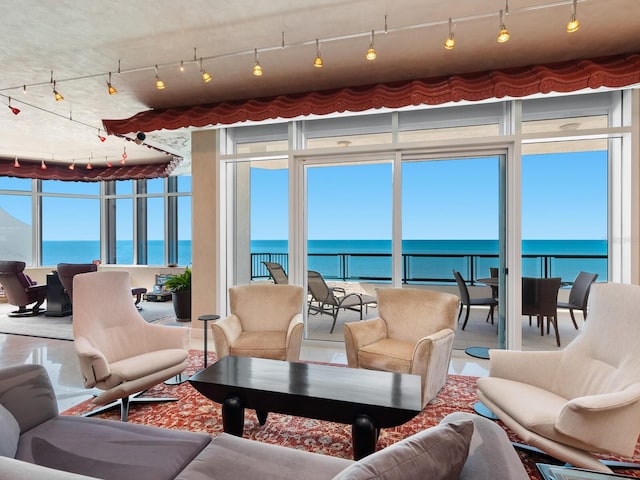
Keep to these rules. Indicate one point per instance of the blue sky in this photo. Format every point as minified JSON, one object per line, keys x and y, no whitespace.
{"x":564,"y":196}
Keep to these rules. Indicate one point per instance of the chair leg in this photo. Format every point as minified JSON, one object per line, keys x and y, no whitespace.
{"x":555,"y":326}
{"x":573,"y":318}
{"x":460,"y":311}
{"x":466,"y":317}
{"x":124,"y":404}
{"x":335,"y":317}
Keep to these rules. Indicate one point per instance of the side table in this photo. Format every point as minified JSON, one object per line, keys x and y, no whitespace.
{"x":206,"y":319}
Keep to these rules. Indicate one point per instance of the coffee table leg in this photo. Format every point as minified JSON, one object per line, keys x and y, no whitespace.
{"x":364,"y":434}
{"x":262,"y":416}
{"x":233,"y":416}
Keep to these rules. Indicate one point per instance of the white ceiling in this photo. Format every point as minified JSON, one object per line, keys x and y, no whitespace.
{"x":80,"y":41}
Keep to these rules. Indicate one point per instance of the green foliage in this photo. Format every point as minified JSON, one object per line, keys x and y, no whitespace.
{"x":179,"y":283}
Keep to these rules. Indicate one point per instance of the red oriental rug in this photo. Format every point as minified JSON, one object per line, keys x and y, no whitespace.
{"x":196,"y":413}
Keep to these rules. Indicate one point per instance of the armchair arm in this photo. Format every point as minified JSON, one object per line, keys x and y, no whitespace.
{"x":533,"y":368}
{"x":294,"y":338}
{"x":93,"y":364}
{"x":162,"y":337}
{"x":608,"y":421}
{"x":430,"y":360}
{"x":361,"y":334}
{"x":225,"y":332}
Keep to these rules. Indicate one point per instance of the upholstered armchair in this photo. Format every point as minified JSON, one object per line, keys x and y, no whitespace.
{"x":413,"y":334}
{"x":119,"y":352}
{"x":20,"y":290}
{"x":265,"y":321}
{"x":66,"y":272}
{"x":583,"y":399}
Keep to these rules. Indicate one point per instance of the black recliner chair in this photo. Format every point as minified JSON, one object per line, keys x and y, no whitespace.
{"x":20,"y":290}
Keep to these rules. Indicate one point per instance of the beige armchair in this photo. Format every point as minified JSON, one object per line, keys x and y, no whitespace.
{"x":265,"y":321}
{"x":583,"y":399}
{"x":414,"y":334}
{"x":119,"y":352}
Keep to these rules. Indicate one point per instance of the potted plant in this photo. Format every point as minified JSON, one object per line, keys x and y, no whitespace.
{"x":180,"y":287}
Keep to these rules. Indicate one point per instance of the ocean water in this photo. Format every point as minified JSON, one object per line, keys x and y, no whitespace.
{"x":371,"y":259}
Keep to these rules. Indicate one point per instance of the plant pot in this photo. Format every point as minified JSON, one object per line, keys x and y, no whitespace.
{"x":182,"y":305}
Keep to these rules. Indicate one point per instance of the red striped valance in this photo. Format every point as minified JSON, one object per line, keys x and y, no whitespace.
{"x":614,"y":72}
{"x":80,"y":173}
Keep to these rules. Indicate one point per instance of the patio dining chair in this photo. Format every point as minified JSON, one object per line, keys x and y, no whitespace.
{"x":579,"y":295}
{"x":467,"y":301}
{"x":325,"y":301}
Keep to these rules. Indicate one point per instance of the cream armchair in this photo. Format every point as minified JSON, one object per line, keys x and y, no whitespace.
{"x":119,"y":352}
{"x":414,"y":334}
{"x":583,"y":399}
{"x":265,"y":321}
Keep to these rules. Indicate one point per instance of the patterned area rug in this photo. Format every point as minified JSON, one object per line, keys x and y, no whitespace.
{"x":196,"y":413}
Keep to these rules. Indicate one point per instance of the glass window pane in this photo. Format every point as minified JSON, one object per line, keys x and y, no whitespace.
{"x":565,"y":124}
{"x":450,"y":133}
{"x":564,"y":229}
{"x":184,"y":183}
{"x":124,"y":187}
{"x":13,"y":183}
{"x":124,"y":231}
{"x":155,"y":185}
{"x":79,"y":188}
{"x":268,"y":234}
{"x":70,"y":230}
{"x":15,"y":228}
{"x":184,"y":230}
{"x":155,"y":231}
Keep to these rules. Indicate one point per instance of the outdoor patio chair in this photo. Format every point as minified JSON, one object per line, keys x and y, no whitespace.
{"x":325,"y":301}
{"x":468,"y":302}
{"x":21,"y":290}
{"x":579,"y":295}
{"x":277,"y":273}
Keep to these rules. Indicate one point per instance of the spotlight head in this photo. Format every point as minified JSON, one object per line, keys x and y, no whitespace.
{"x":14,"y":110}
{"x":140,"y":137}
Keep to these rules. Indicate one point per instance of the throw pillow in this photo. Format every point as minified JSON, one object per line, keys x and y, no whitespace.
{"x":9,"y":433}
{"x":438,"y":453}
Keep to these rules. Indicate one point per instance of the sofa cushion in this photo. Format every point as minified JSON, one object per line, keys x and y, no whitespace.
{"x":9,"y":433}
{"x":438,"y":453}
{"x":491,"y":454}
{"x":110,"y":450}
{"x":228,"y":456}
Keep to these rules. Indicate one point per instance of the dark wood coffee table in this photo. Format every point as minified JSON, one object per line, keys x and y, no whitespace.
{"x":366,"y":399}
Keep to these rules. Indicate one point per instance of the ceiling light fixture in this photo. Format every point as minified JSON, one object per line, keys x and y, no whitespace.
{"x":16,"y":163}
{"x":89,"y":167}
{"x":257,"y":68}
{"x":371,"y":53}
{"x":450,"y":43}
{"x":73,"y":164}
{"x":124,"y":156}
{"x":109,"y":164}
{"x":43,"y":166}
{"x":110,"y":88}
{"x":206,"y":76}
{"x":181,"y":66}
{"x":14,"y":110}
{"x":56,"y":94}
{"x":159,"y":83}
{"x":317,"y":62}
{"x":504,"y":35}
{"x":574,"y":24}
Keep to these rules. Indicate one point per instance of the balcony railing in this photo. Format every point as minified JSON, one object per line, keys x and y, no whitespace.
{"x":426,"y":268}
